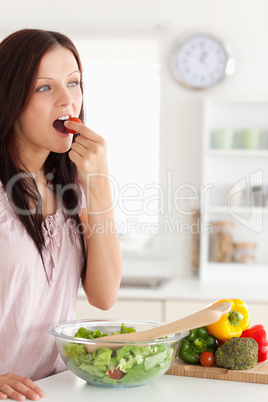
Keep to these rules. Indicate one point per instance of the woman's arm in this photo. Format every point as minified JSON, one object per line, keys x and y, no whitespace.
{"x":104,"y":257}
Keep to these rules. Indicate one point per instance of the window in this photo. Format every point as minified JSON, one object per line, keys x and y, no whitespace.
{"x":122,"y":104}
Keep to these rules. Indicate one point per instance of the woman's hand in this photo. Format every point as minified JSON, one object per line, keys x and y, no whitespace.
{"x":89,"y":154}
{"x":19,"y":388}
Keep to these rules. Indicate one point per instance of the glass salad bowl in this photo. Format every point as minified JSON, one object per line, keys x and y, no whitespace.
{"x":117,"y":364}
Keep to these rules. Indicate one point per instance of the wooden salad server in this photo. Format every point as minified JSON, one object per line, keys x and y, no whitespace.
{"x":202,"y":318}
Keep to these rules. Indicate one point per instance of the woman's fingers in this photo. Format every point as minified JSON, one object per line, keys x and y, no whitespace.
{"x":89,"y":153}
{"x":85,"y":131}
{"x":33,"y":387}
{"x":19,"y":388}
{"x":88,"y":149}
{"x":11,"y":392}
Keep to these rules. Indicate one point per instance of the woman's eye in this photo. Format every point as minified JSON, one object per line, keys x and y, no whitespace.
{"x":43,"y":88}
{"x":73,"y":83}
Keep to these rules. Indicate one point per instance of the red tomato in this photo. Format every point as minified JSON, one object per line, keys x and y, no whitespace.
{"x":76,"y":120}
{"x":207,"y":359}
{"x":116,"y":374}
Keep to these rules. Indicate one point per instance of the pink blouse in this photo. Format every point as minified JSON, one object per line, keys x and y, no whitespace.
{"x":31,"y":300}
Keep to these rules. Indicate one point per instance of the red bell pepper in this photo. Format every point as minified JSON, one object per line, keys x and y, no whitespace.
{"x":258,"y":333}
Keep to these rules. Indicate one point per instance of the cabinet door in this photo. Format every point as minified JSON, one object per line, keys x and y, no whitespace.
{"x":131,"y":309}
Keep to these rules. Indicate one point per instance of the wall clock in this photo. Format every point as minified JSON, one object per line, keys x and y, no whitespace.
{"x":200,"y":61}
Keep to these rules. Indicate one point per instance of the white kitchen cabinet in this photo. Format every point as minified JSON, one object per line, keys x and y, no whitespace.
{"x":131,"y":309}
{"x":229,"y":172}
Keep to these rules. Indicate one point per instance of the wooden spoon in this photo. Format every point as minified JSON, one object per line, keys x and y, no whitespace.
{"x":202,"y":318}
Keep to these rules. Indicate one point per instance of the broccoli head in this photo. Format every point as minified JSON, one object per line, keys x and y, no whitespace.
{"x":237,"y":354}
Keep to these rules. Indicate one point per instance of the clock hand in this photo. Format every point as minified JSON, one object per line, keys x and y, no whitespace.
{"x":203,"y":57}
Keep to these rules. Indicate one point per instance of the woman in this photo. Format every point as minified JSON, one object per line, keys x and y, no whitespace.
{"x":56,"y":216}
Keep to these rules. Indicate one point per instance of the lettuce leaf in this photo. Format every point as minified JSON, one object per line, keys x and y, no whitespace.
{"x":126,"y":330}
{"x":87,"y":334}
{"x":102,"y":356}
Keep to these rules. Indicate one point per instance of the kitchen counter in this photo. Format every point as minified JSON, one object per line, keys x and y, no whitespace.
{"x":190,"y":288}
{"x":66,"y":387}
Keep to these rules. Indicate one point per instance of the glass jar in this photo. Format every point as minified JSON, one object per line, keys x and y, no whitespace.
{"x":222,"y":248}
{"x":245,"y":253}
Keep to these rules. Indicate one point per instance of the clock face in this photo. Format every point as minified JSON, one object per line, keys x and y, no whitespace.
{"x":200,"y":61}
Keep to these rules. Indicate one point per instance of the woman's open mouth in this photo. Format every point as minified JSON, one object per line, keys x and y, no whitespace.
{"x":59,"y":124}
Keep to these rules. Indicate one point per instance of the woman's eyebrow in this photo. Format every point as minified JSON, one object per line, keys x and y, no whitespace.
{"x":44,"y":78}
{"x":48,"y":78}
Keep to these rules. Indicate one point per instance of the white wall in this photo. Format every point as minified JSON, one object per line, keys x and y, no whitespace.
{"x":242,"y":23}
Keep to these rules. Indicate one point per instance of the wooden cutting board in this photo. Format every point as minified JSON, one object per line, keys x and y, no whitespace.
{"x":258,"y":374}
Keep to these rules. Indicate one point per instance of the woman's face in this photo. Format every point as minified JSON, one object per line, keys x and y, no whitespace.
{"x":57,"y":93}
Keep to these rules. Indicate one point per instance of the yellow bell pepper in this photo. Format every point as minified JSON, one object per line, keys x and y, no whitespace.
{"x":233,"y":323}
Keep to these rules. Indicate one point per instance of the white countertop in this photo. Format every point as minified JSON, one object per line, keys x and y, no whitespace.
{"x":66,"y":387}
{"x":190,"y":288}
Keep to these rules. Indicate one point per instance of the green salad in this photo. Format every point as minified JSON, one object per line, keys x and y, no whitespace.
{"x":129,"y":365}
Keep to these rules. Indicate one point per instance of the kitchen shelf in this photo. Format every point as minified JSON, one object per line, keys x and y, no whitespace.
{"x":221,"y":170}
{"x":240,"y":153}
{"x":224,"y":210}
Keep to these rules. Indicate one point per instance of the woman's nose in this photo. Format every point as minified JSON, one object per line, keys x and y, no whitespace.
{"x":64,"y":97}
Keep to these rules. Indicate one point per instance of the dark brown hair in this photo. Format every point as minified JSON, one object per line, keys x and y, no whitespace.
{"x":20,"y":57}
